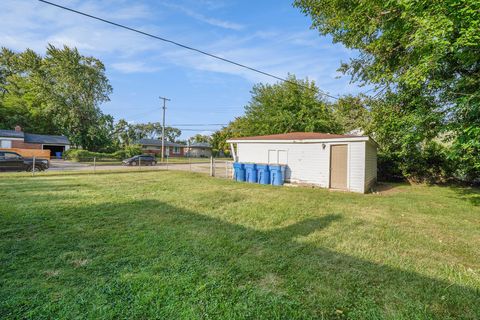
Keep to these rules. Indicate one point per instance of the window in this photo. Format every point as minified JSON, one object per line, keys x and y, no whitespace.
{"x":11,"y":155}
{"x":7,"y":144}
{"x":176,"y":149}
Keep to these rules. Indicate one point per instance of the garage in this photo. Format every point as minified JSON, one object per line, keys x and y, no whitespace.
{"x":343,"y":162}
{"x":56,"y":144}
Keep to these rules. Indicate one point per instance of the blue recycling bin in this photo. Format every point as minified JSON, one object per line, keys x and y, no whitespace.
{"x":276,"y":175}
{"x":251,"y":172}
{"x":239,"y":170}
{"x":263,"y":174}
{"x":58,"y":155}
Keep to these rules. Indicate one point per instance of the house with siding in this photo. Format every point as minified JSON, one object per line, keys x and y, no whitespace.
{"x":199,"y":150}
{"x":18,"y":140}
{"x":154,"y":146}
{"x":345,"y":162}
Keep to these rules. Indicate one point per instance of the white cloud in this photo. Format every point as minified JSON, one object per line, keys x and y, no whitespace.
{"x":209,"y":20}
{"x":133,"y":67}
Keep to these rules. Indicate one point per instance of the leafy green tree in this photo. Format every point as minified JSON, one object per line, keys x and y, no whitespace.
{"x":60,"y":93}
{"x":296,"y":105}
{"x":351,"y":113}
{"x":283,"y":107}
{"x":200,"y":138}
{"x":412,"y":48}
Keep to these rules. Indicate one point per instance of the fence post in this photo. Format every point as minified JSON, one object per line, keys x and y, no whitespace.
{"x":212,"y":167}
{"x":94,"y":164}
{"x":33,"y":167}
{"x":167,"y":161}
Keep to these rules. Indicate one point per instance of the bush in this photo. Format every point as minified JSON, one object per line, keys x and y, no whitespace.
{"x":428,"y":163}
{"x":85,"y":155}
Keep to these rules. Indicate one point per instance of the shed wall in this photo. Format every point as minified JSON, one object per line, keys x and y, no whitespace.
{"x":307,"y":162}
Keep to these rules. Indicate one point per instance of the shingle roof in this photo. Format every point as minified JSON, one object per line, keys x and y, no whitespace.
{"x":11,"y":134}
{"x":200,"y":145}
{"x":297,"y":136}
{"x":46,"y":139}
{"x":158,"y":143}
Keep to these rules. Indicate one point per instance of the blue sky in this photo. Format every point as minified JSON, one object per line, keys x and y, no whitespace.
{"x":269,"y":35}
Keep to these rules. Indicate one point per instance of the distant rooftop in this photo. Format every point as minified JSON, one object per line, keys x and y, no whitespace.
{"x":200,"y":145}
{"x":45,"y":139}
{"x":11,"y":134}
{"x":158,"y":143}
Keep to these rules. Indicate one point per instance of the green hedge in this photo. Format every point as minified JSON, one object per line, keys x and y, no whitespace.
{"x":83,"y":155}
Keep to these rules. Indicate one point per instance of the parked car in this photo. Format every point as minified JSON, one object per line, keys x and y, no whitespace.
{"x":12,"y":161}
{"x":141,"y":160}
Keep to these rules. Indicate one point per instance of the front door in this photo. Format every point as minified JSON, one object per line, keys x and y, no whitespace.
{"x":338,"y":166}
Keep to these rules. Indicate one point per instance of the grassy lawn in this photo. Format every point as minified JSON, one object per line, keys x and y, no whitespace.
{"x":182,"y":245}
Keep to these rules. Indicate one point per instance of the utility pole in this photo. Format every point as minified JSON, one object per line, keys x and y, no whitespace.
{"x":163,"y":126}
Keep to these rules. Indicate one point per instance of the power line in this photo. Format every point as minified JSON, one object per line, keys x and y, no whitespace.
{"x":185,"y":47}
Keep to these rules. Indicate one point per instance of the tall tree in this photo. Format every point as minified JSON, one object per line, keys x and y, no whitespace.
{"x":427,"y":48}
{"x":60,"y":93}
{"x":283,"y":107}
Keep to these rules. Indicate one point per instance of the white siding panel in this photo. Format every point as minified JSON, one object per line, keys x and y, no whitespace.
{"x":370,"y":165}
{"x":310,"y":162}
{"x":306,"y":162}
{"x":356,"y":166}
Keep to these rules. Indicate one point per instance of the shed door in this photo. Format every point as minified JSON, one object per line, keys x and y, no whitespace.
{"x":338,"y":166}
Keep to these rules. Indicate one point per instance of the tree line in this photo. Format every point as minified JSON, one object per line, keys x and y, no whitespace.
{"x":60,"y":94}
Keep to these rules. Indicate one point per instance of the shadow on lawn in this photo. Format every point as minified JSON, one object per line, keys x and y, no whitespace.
{"x":470,"y":194}
{"x":208,"y":264}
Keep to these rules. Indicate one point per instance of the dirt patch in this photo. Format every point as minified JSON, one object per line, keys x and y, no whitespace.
{"x":384,"y":188}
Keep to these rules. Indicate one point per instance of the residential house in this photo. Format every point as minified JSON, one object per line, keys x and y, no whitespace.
{"x":154,"y":146}
{"x":17,"y":139}
{"x":199,"y":150}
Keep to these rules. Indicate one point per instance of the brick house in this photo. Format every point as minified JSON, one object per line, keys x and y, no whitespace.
{"x":154,"y":146}
{"x":21,"y":140}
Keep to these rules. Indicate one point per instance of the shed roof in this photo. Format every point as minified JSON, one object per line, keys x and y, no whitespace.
{"x":11,"y":134}
{"x":297,"y":136}
{"x":46,"y":139}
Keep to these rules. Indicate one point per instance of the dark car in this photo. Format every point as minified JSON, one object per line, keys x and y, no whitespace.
{"x":142,"y":160}
{"x":12,"y":161}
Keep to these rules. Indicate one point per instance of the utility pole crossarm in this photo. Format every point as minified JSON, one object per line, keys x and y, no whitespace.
{"x":163,"y":125}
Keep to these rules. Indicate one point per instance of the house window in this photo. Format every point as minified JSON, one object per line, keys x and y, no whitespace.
{"x":6,"y":144}
{"x":176,"y":149}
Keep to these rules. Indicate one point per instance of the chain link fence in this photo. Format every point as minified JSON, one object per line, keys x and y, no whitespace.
{"x":222,"y":168}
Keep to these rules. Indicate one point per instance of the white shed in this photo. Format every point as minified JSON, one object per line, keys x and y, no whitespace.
{"x":334,"y":161}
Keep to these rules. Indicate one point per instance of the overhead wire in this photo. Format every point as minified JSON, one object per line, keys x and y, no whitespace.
{"x":186,"y":47}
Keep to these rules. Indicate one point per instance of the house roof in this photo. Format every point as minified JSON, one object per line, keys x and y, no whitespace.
{"x":158,"y":143}
{"x":46,"y":139}
{"x":11,"y":134}
{"x":200,"y":145}
{"x":297,"y":136}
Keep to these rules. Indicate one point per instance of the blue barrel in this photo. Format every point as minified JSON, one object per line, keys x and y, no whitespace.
{"x":263,"y":175}
{"x":276,"y":175}
{"x":59,"y":155}
{"x":251,"y":172}
{"x":239,"y":171}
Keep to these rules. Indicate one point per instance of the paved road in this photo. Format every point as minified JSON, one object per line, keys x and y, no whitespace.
{"x":222,"y":168}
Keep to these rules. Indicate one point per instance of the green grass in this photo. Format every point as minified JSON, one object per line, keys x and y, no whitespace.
{"x":181,"y":245}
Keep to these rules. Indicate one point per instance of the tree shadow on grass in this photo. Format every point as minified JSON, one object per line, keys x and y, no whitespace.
{"x":148,"y":259}
{"x":469,"y":194}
